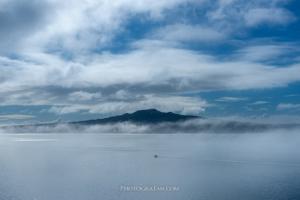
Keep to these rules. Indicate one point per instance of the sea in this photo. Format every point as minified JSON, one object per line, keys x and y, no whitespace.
{"x":110,"y":166}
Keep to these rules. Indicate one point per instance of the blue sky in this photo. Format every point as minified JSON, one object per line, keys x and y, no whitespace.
{"x":74,"y":60}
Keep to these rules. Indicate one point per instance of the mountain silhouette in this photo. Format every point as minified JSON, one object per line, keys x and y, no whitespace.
{"x":149,"y":116}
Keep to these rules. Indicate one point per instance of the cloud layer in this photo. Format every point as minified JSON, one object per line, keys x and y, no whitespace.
{"x":109,"y":57}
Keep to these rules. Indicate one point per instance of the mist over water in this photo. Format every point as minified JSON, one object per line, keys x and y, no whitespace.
{"x":188,"y":126}
{"x":199,"y":166}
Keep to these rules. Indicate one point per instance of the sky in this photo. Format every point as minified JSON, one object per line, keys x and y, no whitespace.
{"x":82,"y":59}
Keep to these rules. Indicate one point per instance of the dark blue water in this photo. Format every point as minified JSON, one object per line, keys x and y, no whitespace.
{"x":196,"y":166}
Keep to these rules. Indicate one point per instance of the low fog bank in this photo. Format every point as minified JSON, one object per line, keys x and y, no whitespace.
{"x":191,"y":126}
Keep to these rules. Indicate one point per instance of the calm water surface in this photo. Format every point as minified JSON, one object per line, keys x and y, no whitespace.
{"x":197,"y":166}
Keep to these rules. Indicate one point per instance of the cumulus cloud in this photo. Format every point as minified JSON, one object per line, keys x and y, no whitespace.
{"x":79,"y":26}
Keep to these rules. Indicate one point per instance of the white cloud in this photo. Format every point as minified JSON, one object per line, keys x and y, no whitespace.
{"x":123,"y":95}
{"x":78,"y":26}
{"x":189,"y":33}
{"x":234,"y":15}
{"x":179,"y":104}
{"x":259,"y":16}
{"x":68,"y":109}
{"x":288,"y":106}
{"x":16,"y":117}
{"x":84,"y":96}
{"x":149,"y":68}
{"x":39,"y":72}
{"x":259,"y":103}
{"x":232,"y":99}
{"x":264,"y":52}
